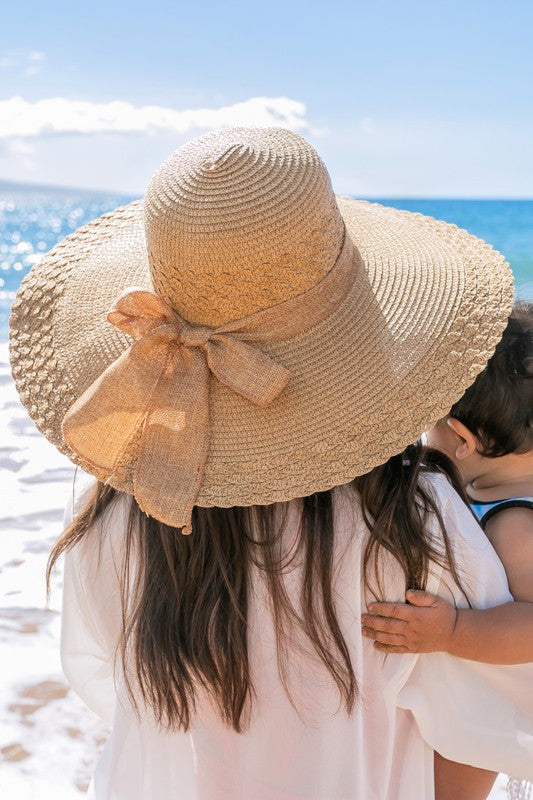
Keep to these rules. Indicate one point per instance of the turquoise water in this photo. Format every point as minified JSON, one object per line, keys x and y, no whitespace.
{"x":33,"y":219}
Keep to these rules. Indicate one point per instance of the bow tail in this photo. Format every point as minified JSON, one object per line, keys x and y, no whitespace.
{"x":175,"y":441}
{"x":100,"y":425}
{"x":247,"y":370}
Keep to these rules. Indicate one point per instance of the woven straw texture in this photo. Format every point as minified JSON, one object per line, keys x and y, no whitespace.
{"x":242,"y":220}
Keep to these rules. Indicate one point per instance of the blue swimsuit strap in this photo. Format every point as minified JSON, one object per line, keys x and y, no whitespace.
{"x":485,"y":511}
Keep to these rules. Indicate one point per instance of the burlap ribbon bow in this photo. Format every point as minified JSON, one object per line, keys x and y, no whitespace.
{"x":160,"y":386}
{"x":158,"y":389}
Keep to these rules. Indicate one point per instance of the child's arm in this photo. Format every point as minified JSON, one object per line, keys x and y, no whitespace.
{"x":499,"y":635}
{"x":511,"y":534}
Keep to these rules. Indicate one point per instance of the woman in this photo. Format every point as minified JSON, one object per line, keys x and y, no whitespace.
{"x":284,"y":342}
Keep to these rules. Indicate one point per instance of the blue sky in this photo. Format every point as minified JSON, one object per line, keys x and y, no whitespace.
{"x":400,"y":98}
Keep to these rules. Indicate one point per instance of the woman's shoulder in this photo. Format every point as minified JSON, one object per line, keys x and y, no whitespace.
{"x":459,"y":521}
{"x":480,"y":568}
{"x":447,"y":501}
{"x":446,"y":498}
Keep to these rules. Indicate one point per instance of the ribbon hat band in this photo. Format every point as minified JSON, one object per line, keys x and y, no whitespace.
{"x":159,"y":387}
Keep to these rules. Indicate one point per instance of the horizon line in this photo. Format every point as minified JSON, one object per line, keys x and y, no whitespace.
{"x":5,"y":182}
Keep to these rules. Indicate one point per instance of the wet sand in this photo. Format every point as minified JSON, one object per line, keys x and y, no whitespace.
{"x":49,"y":740}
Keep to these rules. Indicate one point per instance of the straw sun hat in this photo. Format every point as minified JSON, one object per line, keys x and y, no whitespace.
{"x":280,"y":341}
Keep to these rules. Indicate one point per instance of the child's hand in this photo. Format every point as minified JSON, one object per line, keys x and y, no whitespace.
{"x":424,"y":626}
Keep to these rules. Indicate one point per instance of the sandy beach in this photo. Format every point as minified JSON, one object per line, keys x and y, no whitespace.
{"x":49,"y":741}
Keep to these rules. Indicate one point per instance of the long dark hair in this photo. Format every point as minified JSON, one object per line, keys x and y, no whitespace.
{"x":186,"y":624}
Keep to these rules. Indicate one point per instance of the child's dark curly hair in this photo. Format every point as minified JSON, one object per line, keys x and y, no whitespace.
{"x":498,"y":407}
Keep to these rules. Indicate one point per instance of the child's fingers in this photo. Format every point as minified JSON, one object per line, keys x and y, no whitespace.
{"x":418,"y":597}
{"x":394,"y":610}
{"x":390,"y":648}
{"x":385,"y":624}
{"x":384,"y":638}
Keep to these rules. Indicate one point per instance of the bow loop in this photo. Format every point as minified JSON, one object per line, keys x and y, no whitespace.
{"x":138,"y":311}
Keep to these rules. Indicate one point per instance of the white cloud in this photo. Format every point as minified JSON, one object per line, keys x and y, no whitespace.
{"x":7,"y":61}
{"x":28,"y":164}
{"x":367,"y":126}
{"x":366,"y":155}
{"x":59,"y":115}
{"x":29,"y":63}
{"x":20,"y":147}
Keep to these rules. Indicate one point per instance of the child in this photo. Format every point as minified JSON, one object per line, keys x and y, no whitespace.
{"x":489,"y":437}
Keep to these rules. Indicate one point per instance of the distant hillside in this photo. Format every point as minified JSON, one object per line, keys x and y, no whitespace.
{"x":16,"y":187}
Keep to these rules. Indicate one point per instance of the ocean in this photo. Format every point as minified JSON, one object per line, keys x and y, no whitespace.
{"x":33,"y":219}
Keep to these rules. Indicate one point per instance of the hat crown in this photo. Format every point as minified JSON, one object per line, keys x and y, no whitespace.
{"x":240,"y":220}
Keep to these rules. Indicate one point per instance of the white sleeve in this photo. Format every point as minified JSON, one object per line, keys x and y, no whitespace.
{"x":474,"y":713}
{"x":91,"y":610}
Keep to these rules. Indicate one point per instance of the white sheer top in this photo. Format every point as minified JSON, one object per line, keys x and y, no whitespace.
{"x":408,"y":706}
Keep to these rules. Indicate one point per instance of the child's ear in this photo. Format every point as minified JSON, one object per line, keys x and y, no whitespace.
{"x":466,"y":441}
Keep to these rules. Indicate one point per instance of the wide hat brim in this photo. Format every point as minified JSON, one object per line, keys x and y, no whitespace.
{"x":423,"y":317}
